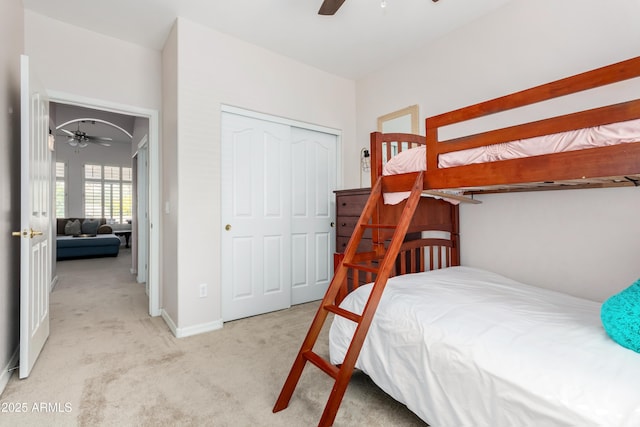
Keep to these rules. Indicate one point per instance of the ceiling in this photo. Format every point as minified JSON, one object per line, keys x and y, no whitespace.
{"x":358,"y":39}
{"x":67,"y":116}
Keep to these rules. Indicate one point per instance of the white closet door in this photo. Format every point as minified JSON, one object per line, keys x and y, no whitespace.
{"x":256,"y":248}
{"x":313,"y":178}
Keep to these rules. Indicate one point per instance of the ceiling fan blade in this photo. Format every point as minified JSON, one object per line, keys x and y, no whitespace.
{"x":68,"y":132}
{"x":330,"y":7}
{"x":99,"y":138}
{"x":95,"y":140}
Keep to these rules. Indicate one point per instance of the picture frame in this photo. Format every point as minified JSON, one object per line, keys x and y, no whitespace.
{"x":400,"y":121}
{"x":403,"y":121}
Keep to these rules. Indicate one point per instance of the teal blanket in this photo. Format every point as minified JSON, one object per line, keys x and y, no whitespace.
{"x":620,"y":316}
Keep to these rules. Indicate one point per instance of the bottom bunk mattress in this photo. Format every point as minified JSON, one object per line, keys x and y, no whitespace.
{"x":466,"y":347}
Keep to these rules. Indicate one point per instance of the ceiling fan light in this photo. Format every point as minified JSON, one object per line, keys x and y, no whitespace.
{"x":73,"y":142}
{"x":82,"y":144}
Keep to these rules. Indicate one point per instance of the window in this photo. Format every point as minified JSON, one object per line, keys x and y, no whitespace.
{"x":108,"y":193}
{"x":61,"y":187}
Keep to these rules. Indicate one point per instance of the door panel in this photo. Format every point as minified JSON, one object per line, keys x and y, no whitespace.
{"x":35,"y":219}
{"x":313,"y":212}
{"x":256,"y":255}
{"x":273,"y":262}
{"x":324,"y":268}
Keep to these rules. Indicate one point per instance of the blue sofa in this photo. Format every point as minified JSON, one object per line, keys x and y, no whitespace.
{"x":96,"y":239}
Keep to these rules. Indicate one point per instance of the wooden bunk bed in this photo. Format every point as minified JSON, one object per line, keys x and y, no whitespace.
{"x":612,"y":164}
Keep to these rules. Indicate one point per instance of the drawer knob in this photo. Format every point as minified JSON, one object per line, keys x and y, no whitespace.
{"x":344,"y":224}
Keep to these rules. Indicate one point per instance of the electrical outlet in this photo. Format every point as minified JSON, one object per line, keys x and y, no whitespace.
{"x":203,"y":290}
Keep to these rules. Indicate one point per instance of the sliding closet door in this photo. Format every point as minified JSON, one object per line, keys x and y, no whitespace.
{"x":277,"y":214}
{"x":313,"y":178}
{"x":256,"y":248}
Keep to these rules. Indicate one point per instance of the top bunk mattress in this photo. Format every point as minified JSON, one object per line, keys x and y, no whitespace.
{"x":414,"y":159}
{"x":466,"y":347}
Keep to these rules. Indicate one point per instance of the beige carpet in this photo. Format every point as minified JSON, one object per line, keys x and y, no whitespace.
{"x":107,"y":363}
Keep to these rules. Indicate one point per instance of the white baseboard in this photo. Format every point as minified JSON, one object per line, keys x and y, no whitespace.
{"x":190,"y":330}
{"x":6,"y":373}
{"x":169,"y":321}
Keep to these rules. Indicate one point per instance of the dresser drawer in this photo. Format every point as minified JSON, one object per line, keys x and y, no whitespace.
{"x":351,"y":205}
{"x":341,"y":244}
{"x":347,"y":224}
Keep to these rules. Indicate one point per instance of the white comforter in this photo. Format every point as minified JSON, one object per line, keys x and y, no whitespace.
{"x":466,"y":347}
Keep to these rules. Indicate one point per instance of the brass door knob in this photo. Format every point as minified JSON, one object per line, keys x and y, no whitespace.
{"x":227,"y":227}
{"x":333,"y":224}
{"x":31,"y":233}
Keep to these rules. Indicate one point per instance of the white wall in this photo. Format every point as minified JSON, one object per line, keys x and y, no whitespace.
{"x":170,"y":177}
{"x":518,"y":46}
{"x":583,"y":242}
{"x":215,"y":69}
{"x":11,"y":34}
{"x":110,"y":69}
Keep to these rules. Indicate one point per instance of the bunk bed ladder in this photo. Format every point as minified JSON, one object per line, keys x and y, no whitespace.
{"x":352,"y":259}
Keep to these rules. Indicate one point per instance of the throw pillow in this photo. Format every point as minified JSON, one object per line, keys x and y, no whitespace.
{"x":72,"y":227}
{"x":620,"y":316}
{"x":105,"y":229}
{"x":90,"y":226}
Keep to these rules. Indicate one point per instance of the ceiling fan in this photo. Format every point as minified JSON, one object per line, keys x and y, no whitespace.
{"x":80,"y":139}
{"x":330,"y":7}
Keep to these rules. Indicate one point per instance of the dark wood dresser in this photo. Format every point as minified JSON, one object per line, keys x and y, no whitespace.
{"x":349,"y":205}
{"x":430,"y":214}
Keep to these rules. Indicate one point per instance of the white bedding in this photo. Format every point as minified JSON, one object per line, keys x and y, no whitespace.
{"x":414,"y":159}
{"x":466,"y":347}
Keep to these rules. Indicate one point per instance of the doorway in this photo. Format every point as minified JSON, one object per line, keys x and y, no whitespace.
{"x":151,"y":252}
{"x":278,"y":212}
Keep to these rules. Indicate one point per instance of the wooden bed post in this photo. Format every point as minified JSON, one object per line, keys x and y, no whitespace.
{"x":375,"y":146}
{"x":455,"y":235}
{"x":376,"y":172}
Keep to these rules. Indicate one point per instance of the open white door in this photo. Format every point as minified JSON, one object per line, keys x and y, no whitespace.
{"x":35,"y":220}
{"x":143,"y":216}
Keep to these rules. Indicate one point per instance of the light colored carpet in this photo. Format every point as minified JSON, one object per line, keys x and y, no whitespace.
{"x":107,"y":363}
